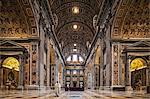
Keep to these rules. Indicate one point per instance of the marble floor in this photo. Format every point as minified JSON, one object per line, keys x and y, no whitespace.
{"x":87,"y":94}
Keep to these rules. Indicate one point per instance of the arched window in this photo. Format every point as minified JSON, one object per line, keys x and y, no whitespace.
{"x":80,"y":59}
{"x":11,"y":63}
{"x":69,"y":58}
{"x":137,"y":63}
{"x":74,"y":58}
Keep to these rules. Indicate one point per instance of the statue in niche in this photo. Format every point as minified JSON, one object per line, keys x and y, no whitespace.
{"x":11,"y":76}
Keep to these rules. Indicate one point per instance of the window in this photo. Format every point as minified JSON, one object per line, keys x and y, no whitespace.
{"x":80,"y":59}
{"x":69,"y":58}
{"x":74,"y":72}
{"x":75,"y":58}
{"x":74,"y":50}
{"x":11,"y":63}
{"x":75,"y":10}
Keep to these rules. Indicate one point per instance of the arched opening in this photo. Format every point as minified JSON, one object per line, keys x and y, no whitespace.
{"x":11,"y":63}
{"x":75,"y":59}
{"x":137,"y":63}
{"x":74,"y":79}
{"x":138,"y":73}
{"x":11,"y":69}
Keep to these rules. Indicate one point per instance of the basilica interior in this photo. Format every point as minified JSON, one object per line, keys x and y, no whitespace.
{"x":90,"y":47}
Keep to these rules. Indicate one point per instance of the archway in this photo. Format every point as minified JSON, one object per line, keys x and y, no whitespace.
{"x":138,"y":73}
{"x":11,"y":68}
{"x":13,"y":59}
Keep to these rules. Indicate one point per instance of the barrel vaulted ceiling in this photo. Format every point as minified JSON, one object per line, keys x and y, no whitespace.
{"x":75,"y":24}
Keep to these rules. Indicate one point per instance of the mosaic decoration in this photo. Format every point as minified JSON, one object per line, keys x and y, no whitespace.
{"x":11,"y":63}
{"x":137,"y":63}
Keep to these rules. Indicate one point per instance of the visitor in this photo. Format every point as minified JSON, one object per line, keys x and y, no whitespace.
{"x":68,"y":87}
{"x":57,"y":88}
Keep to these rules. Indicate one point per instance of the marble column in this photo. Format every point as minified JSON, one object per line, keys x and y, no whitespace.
{"x":41,"y":59}
{"x":148,"y":71}
{"x":96,"y":66}
{"x":53,"y":75}
{"x":30,"y":66}
{"x":147,"y":76}
{"x":120,"y":66}
{"x":101,"y":66}
{"x":21,"y":72}
{"x":1,"y":74}
{"x":48,"y":63}
{"x":71,"y":78}
{"x":37,"y":65}
{"x":123,"y":62}
{"x":56,"y":70}
{"x":128,"y":73}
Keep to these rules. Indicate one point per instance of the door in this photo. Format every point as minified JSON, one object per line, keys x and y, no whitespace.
{"x":74,"y":84}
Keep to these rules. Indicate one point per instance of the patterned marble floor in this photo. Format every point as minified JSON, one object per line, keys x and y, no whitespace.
{"x":88,"y":94}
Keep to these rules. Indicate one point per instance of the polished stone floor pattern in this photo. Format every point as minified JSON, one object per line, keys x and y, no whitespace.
{"x":88,"y":94}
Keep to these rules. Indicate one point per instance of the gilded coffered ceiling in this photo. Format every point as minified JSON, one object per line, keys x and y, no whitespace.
{"x":16,"y":19}
{"x":132,"y":20}
{"x":75,"y":23}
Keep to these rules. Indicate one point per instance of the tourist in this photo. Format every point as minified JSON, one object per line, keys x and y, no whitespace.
{"x":57,"y":88}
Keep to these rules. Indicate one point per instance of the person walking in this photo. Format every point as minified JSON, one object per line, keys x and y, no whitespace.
{"x":57,"y":88}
